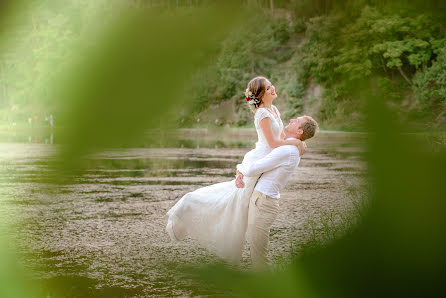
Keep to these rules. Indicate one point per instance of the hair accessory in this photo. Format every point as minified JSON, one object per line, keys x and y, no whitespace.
{"x":252,"y":99}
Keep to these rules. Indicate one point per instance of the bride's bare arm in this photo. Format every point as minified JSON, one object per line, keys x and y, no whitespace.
{"x":265,"y":125}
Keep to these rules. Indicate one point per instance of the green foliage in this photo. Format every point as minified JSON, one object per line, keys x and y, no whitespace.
{"x":248,"y":52}
{"x":392,"y":89}
{"x":320,"y":48}
{"x":299,"y":25}
{"x":282,"y":30}
{"x":407,"y":39}
{"x":41,"y":42}
{"x":343,"y":49}
{"x":200,"y":91}
{"x":430,"y":84}
{"x":294,"y":91}
{"x":345,"y":42}
{"x":45,"y":38}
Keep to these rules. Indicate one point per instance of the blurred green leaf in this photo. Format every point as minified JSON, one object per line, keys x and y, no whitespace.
{"x":134,"y":74}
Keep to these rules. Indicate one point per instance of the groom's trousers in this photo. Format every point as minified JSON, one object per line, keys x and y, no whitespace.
{"x":261,"y":215}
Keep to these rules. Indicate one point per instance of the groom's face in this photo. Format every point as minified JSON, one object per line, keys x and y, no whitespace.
{"x":295,"y":125}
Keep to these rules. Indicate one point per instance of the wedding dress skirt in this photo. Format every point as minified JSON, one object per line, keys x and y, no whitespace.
{"x":216,"y":216}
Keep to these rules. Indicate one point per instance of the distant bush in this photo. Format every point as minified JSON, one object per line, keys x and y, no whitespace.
{"x":295,"y":92}
{"x":282,"y":30}
{"x":429,"y":85}
{"x":299,"y":25}
{"x":251,"y":51}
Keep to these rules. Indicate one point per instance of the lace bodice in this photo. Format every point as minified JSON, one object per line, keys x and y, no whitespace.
{"x":276,"y":125}
{"x":262,"y":148}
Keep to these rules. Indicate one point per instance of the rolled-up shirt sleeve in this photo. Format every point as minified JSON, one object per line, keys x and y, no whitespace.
{"x":241,"y":168}
{"x":276,"y":158}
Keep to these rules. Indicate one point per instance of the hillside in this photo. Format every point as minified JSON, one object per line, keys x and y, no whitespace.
{"x":326,"y":65}
{"x":325,"y":59}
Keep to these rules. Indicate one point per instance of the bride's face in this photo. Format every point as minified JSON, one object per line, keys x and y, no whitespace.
{"x":270,"y":92}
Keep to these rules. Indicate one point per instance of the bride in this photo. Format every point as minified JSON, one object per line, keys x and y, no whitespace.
{"x":217,"y":215}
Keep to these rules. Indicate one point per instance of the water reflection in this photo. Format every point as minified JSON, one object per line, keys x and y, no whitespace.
{"x":152,"y":139}
{"x":37,"y":138}
{"x":197,"y":143}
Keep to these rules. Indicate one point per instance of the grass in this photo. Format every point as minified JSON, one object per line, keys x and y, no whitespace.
{"x":336,"y":223}
{"x":329,"y":225}
{"x":436,"y":142}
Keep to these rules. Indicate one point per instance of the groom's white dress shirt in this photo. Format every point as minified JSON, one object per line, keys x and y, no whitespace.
{"x":277,"y":168}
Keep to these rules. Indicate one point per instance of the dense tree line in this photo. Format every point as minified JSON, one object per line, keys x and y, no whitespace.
{"x":401,"y":51}
{"x":399,"y":46}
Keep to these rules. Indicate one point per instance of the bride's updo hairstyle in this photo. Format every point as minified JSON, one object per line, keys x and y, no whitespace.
{"x":255,"y":91}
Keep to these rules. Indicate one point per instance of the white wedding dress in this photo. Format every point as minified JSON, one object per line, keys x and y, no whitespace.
{"x":217,"y":215}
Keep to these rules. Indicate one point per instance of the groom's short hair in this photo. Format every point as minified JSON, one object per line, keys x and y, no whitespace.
{"x":309,"y":128}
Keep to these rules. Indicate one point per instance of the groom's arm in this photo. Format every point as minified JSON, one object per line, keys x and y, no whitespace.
{"x":276,"y":158}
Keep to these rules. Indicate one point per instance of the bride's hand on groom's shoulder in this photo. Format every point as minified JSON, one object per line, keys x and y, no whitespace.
{"x":304,"y":145}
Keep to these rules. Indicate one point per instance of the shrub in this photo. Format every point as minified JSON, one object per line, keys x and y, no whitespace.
{"x":429,"y":85}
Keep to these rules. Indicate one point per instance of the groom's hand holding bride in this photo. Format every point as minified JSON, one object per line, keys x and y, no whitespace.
{"x":239,"y":180}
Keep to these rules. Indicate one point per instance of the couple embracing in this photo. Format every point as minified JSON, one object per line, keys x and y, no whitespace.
{"x":222,"y":216}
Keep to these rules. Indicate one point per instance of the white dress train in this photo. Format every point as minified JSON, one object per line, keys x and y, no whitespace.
{"x":217,"y":215}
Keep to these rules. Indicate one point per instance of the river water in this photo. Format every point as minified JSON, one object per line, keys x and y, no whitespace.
{"x":102,"y":233}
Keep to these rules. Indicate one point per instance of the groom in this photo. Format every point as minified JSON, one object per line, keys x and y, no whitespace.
{"x":277,"y":167}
